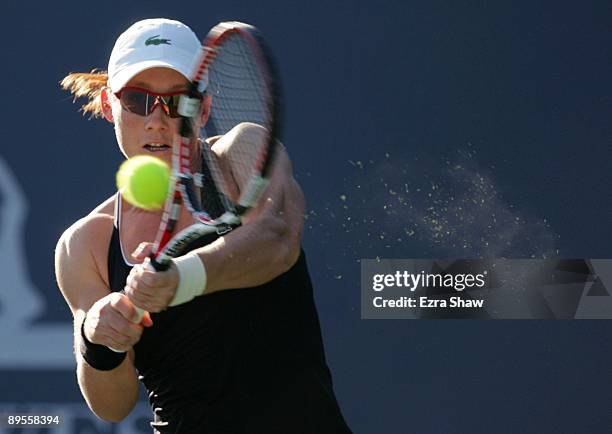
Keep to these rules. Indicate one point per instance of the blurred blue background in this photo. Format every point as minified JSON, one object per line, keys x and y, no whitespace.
{"x":417,"y":130}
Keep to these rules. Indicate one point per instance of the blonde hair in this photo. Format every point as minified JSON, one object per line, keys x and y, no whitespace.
{"x":87,"y":85}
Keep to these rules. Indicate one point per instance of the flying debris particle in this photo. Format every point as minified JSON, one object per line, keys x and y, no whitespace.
{"x":387,"y":154}
{"x":338,"y":276}
{"x":358,"y":164}
{"x":342,"y":197}
{"x":409,"y":232}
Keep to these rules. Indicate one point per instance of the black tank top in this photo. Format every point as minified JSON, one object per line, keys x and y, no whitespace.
{"x":236,"y":361}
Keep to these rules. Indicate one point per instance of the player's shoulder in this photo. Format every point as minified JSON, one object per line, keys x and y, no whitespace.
{"x":81,"y":257}
{"x":244,"y":131}
{"x":242,"y":135}
{"x":91,"y":231}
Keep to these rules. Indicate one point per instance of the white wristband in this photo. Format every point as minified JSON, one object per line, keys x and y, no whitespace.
{"x":192,"y":278}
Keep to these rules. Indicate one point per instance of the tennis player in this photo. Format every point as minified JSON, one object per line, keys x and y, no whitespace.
{"x":245,"y":356}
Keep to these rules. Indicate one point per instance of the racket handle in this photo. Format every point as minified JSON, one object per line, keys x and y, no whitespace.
{"x":140,"y":312}
{"x":151,"y":265}
{"x":154,"y":265}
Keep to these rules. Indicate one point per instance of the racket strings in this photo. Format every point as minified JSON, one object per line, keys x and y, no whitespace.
{"x":240,"y":98}
{"x":239,"y":81}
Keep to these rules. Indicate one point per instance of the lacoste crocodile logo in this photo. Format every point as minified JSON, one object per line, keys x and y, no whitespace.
{"x":156,"y":40}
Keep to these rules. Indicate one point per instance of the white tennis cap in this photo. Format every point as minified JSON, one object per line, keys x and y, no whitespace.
{"x":151,"y":43}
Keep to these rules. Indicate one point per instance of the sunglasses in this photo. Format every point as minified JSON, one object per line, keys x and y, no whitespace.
{"x":142,"y":101}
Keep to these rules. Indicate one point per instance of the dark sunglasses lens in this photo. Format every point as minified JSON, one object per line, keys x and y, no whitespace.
{"x":134,"y":101}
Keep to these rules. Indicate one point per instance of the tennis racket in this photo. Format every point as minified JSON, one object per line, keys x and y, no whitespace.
{"x":236,"y":69}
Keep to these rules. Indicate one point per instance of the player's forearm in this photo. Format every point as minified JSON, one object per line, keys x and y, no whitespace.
{"x":251,"y":255}
{"x":111,"y":395}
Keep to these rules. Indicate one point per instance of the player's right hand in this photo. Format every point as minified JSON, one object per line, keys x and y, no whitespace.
{"x":110,"y":322}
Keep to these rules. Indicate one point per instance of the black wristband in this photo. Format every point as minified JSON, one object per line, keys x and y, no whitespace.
{"x":98,"y":356}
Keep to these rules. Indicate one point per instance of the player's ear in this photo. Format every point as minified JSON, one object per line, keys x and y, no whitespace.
{"x":205,"y":109}
{"x":107,"y":109}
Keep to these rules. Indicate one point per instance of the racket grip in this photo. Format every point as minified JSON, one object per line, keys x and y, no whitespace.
{"x":155,"y":265}
{"x":140,"y":313}
{"x":149,"y":265}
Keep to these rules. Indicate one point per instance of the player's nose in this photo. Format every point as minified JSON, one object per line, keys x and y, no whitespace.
{"x":157,"y":119}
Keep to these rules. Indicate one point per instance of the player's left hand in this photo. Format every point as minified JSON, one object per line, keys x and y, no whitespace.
{"x":149,"y":289}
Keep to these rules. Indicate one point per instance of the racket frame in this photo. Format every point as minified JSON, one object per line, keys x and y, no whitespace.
{"x":183,"y":180}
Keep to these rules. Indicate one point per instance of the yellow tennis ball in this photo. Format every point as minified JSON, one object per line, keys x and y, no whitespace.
{"x":143,"y":181}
